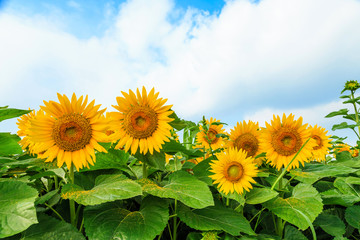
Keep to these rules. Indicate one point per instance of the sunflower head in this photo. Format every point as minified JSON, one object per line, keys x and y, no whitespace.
{"x":283,"y":138}
{"x":246,"y":136}
{"x":322,"y":143}
{"x":141,"y":122}
{"x":351,"y":85}
{"x":345,"y":147}
{"x":68,"y":130}
{"x":24,"y":124}
{"x":207,"y":136}
{"x":233,"y":171}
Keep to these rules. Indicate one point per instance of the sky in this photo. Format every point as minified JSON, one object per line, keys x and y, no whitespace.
{"x":232,"y":60}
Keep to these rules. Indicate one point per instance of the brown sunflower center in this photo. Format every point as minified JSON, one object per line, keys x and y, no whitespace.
{"x":234,"y":171}
{"x":140,"y":122}
{"x":286,"y":141}
{"x":247,"y":142}
{"x":318,"y":140}
{"x":211,"y":135}
{"x":72,"y":132}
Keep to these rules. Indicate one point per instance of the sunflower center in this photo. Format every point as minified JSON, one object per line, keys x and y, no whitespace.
{"x":247,"y":142}
{"x":318,"y":142}
{"x":72,"y":132}
{"x":140,"y":122}
{"x":234,"y":171}
{"x":286,"y":141}
{"x":211,"y":135}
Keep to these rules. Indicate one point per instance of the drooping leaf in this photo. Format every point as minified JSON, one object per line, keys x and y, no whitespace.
{"x":16,"y":207}
{"x":215,"y":218}
{"x":107,"y":188}
{"x":352,"y":216}
{"x":108,"y":221}
{"x":260,"y":195}
{"x":9,"y":144}
{"x":155,"y":160}
{"x":343,"y":111}
{"x":331,"y":224}
{"x":182,"y":186}
{"x":7,"y":113}
{"x":303,"y":206}
{"x":51,"y":228}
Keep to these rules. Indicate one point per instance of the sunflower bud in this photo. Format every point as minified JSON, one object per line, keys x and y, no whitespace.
{"x":351,"y":85}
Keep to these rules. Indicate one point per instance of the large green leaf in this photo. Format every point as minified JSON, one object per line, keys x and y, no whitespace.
{"x":313,"y":172}
{"x":183,"y":187}
{"x":112,"y":159}
{"x":9,"y":144}
{"x":216,"y":217}
{"x":303,"y":206}
{"x":335,"y":197}
{"x":108,"y":221}
{"x":51,"y":228}
{"x":16,"y":207}
{"x":155,"y":160}
{"x":7,"y":113}
{"x":260,"y":195}
{"x":107,"y":188}
{"x":343,"y":111}
{"x":352,"y":216}
{"x":331,"y":224}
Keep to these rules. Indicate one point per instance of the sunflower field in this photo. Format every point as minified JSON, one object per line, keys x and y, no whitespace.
{"x":138,"y":171}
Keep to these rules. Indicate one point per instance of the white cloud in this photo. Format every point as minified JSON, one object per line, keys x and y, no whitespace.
{"x":276,"y":51}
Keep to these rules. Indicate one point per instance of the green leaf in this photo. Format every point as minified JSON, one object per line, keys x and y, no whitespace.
{"x":155,"y":160}
{"x":16,"y":207}
{"x":260,"y":195}
{"x":335,"y":197}
{"x":7,"y":113}
{"x":215,"y":218}
{"x":343,"y":156}
{"x":178,"y":123}
{"x":9,"y":144}
{"x":344,"y":187}
{"x":108,"y":221}
{"x":352,"y":216}
{"x":107,"y":188}
{"x":343,"y":125}
{"x":312,"y":172}
{"x":173,"y":147}
{"x":343,"y":111}
{"x":112,"y":159}
{"x":291,"y":233}
{"x":31,"y":162}
{"x":235,"y":196}
{"x":43,"y":199}
{"x":305,"y":202}
{"x":183,"y":187}
{"x":331,"y":224}
{"x":51,"y":228}
{"x":201,"y":171}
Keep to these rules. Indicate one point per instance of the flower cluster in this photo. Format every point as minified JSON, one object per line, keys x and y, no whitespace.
{"x":72,"y":130}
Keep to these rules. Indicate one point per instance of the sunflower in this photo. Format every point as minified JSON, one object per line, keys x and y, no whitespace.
{"x":142,"y":121}
{"x":246,"y":136}
{"x":68,"y":131}
{"x":24,"y":124}
{"x":283,"y":139}
{"x":345,"y":147}
{"x":233,"y":171}
{"x":322,"y":143}
{"x":208,"y":138}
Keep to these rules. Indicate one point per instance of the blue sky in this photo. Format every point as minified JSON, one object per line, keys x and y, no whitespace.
{"x":232,"y":60}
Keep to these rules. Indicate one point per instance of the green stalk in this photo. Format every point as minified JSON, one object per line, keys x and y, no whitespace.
{"x":175,"y":221}
{"x":72,"y":203}
{"x":356,"y":112}
{"x":56,"y":180}
{"x":285,"y":169}
{"x":57,"y":214}
{"x":144,"y":169}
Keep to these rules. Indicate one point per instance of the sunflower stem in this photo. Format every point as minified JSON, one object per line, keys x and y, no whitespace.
{"x":356,"y":112}
{"x":144,"y":169}
{"x":56,"y":181}
{"x":57,"y":214}
{"x":285,"y":169}
{"x":175,"y":221}
{"x":72,"y":203}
